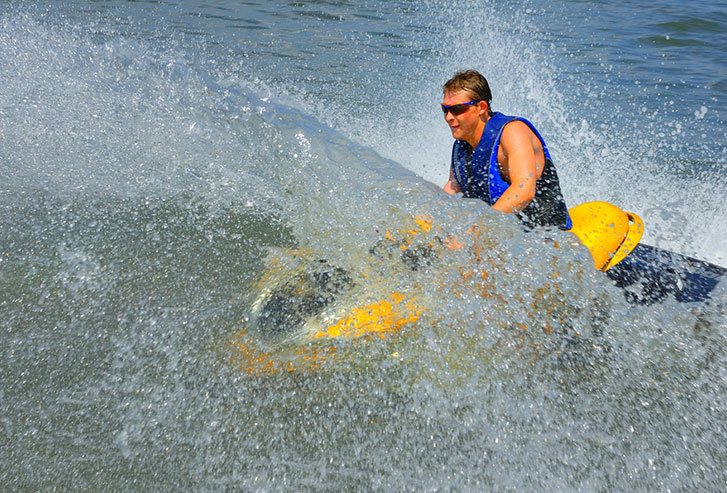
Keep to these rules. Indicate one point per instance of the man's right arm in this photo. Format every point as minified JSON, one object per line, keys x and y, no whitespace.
{"x":451,"y":187}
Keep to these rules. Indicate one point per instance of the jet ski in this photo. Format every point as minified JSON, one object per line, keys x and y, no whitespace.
{"x":302,"y":305}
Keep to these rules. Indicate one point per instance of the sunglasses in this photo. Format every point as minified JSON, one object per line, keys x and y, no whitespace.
{"x":458,"y":109}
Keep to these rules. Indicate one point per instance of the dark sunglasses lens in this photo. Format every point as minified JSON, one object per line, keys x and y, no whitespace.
{"x":455,"y":109}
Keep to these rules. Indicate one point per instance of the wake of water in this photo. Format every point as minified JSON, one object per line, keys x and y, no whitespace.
{"x":143,"y":181}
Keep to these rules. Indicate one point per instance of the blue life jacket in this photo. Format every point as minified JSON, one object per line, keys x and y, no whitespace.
{"x":478,"y":175}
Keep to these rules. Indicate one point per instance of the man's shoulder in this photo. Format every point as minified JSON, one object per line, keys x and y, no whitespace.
{"x":516,"y":128}
{"x":516,"y":123}
{"x":507,"y":124}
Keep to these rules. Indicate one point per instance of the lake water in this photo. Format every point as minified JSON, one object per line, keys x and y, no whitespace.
{"x":152,"y":152}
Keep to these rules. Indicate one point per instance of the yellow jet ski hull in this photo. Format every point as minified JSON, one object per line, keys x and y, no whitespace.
{"x":299,"y":312}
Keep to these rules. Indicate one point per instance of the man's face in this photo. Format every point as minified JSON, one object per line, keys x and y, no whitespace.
{"x":463,"y":126}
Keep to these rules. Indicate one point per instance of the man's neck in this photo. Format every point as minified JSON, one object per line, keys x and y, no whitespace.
{"x":478,"y":134}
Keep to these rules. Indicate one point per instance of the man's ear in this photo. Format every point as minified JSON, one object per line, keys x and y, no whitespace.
{"x":484,"y":105}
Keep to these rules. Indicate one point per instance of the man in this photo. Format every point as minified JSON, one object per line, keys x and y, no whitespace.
{"x":500,"y":159}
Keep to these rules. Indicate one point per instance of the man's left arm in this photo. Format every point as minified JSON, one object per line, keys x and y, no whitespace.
{"x":516,"y":144}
